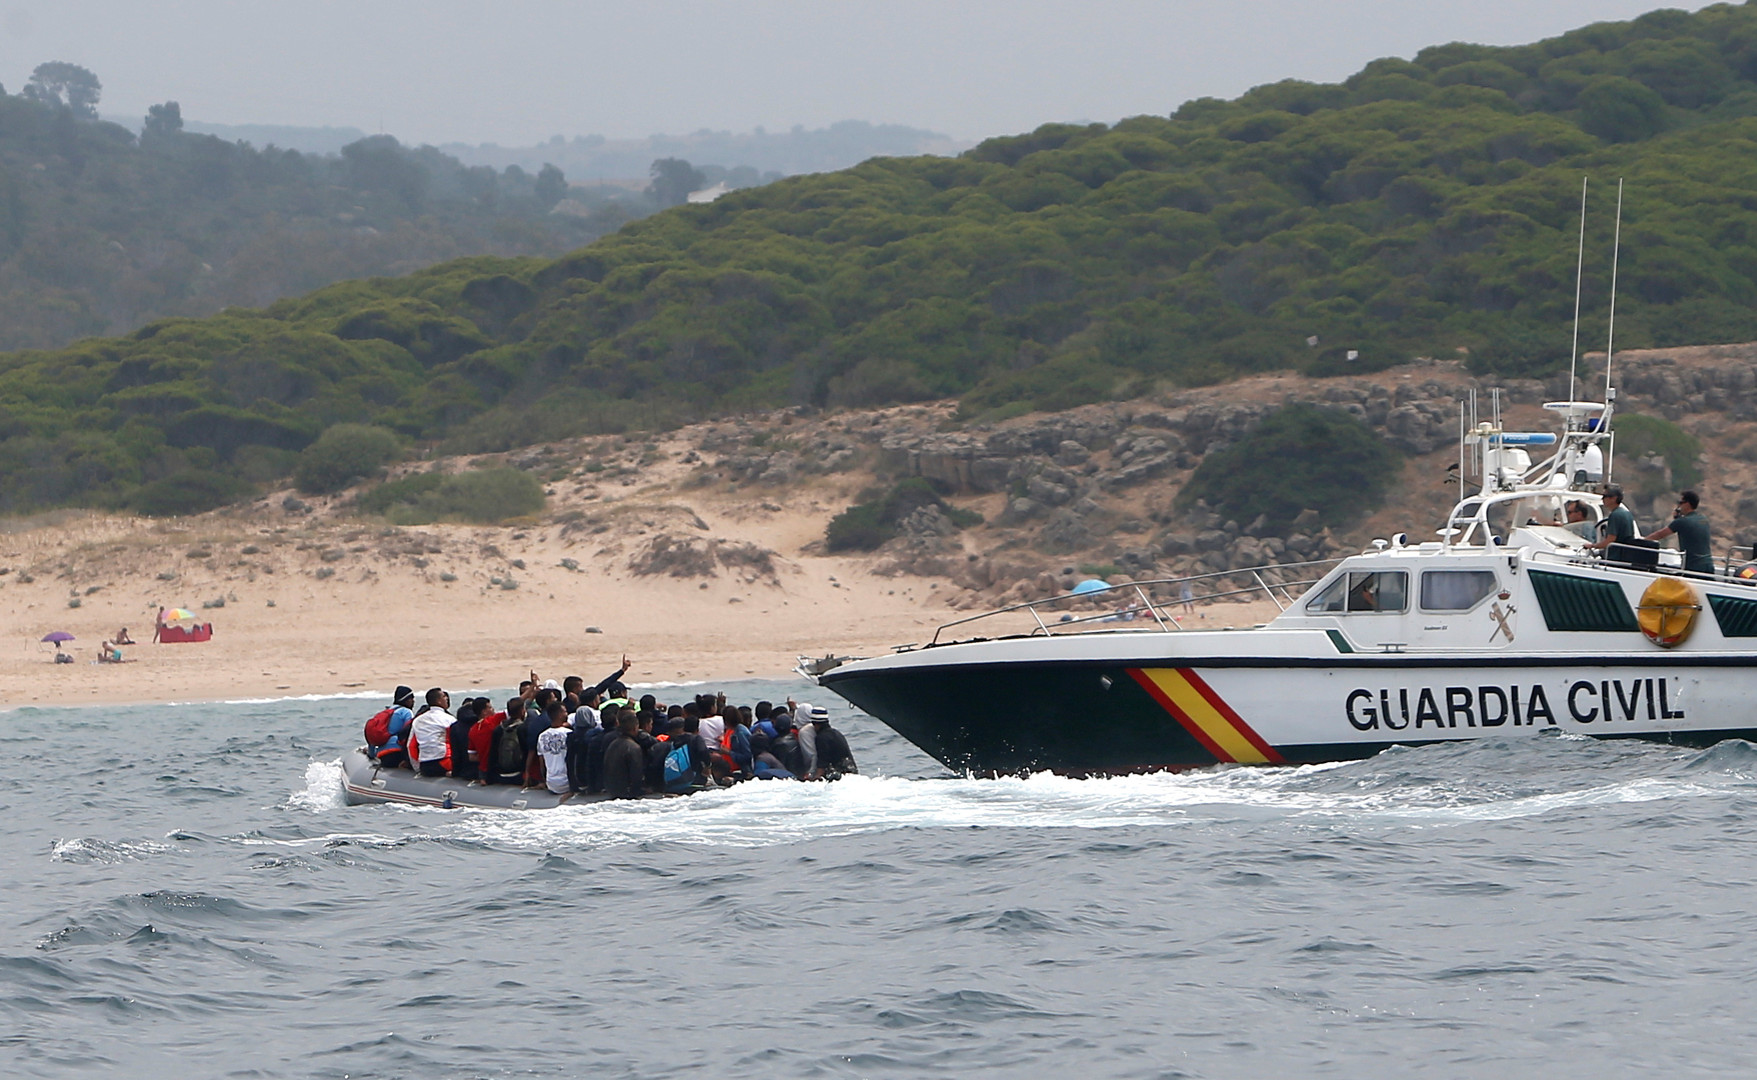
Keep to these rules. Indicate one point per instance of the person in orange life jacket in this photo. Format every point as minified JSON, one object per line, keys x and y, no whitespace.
{"x":430,"y":734}
{"x":552,"y":747}
{"x":736,"y":741}
{"x":391,"y":753}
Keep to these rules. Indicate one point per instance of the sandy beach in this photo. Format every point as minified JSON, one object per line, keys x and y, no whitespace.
{"x":644,"y":550}
{"x":380,"y":621}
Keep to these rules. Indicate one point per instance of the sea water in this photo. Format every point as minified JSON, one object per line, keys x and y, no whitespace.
{"x":186,"y":895}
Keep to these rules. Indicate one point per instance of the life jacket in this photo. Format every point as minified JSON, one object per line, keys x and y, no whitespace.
{"x":679,"y":774}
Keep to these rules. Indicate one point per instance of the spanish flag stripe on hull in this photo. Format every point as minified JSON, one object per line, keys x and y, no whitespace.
{"x":1195,"y":705}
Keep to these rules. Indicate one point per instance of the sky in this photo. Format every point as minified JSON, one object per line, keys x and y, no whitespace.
{"x":519,"y":71}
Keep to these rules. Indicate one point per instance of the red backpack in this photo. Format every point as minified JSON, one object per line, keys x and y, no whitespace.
{"x":378,"y":728}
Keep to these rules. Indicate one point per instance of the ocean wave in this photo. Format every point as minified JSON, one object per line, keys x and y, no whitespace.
{"x":90,"y":849}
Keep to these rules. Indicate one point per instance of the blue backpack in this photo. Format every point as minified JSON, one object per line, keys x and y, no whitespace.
{"x":679,"y":774}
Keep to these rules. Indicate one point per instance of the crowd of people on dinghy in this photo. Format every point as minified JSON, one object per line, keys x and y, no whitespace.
{"x":599,"y":741}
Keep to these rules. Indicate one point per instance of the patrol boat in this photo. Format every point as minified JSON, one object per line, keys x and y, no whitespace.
{"x":1505,"y":625}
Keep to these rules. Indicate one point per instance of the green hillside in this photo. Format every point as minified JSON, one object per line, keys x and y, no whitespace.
{"x":1419,"y":207}
{"x":102,"y":231}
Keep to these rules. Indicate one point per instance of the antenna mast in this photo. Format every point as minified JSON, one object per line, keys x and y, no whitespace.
{"x":1611,"y":333}
{"x":1579,"y":272}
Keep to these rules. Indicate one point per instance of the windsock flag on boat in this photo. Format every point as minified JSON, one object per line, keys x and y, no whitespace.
{"x":1188,"y":697}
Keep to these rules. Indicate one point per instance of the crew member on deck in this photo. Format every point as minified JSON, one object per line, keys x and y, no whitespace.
{"x":1618,"y":526}
{"x":1691,"y":529}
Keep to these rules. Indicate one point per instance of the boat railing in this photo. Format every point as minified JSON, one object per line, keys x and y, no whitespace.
{"x":1137,"y":598}
{"x":1725,"y":572}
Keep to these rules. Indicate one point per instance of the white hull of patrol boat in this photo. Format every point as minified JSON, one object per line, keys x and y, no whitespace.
{"x":1503,"y":628}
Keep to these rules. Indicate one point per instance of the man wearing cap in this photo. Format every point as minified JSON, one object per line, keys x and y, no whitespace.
{"x":834,"y":758}
{"x":1618,"y":526}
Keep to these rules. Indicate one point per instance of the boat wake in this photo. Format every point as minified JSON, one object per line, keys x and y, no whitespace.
{"x":1431,"y":787}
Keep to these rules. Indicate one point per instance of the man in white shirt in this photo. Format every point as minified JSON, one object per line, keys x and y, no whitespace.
{"x":433,"y":732}
{"x":552,"y":745}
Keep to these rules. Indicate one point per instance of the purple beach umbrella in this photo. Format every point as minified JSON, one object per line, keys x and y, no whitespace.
{"x":58,"y":636}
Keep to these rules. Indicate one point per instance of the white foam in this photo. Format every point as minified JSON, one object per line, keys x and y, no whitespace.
{"x":353,"y":695}
{"x":90,"y":849}
{"x":324,"y":788}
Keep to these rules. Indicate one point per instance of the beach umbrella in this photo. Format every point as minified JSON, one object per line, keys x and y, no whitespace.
{"x":178,"y":614}
{"x":58,"y":636}
{"x":1089,"y":586}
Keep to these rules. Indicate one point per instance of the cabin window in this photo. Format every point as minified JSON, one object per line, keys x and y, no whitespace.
{"x":1456,"y":590}
{"x":1379,"y":590}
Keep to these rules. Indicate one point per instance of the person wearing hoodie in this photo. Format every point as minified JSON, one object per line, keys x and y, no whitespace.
{"x":624,"y":762}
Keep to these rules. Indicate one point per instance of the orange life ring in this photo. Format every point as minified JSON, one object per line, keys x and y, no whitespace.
{"x":1668,"y":611}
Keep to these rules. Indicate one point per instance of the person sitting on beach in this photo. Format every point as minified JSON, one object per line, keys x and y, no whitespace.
{"x":834,"y":758}
{"x":122,"y":637}
{"x":431,"y":735}
{"x":552,"y":747}
{"x":624,"y":763}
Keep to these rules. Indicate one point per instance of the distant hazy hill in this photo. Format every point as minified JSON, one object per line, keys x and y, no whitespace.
{"x":102,"y":229}
{"x":306,"y":140}
{"x":788,"y":153}
{"x":1423,"y":207}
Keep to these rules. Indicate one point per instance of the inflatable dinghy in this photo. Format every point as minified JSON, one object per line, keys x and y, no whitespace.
{"x":368,"y":783}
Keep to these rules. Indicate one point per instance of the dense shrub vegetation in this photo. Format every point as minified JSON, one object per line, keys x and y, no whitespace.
{"x":1418,"y":207}
{"x":1640,"y":437}
{"x":343,"y":454}
{"x":480,"y":496}
{"x":1300,"y":457}
{"x":867,"y":525}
